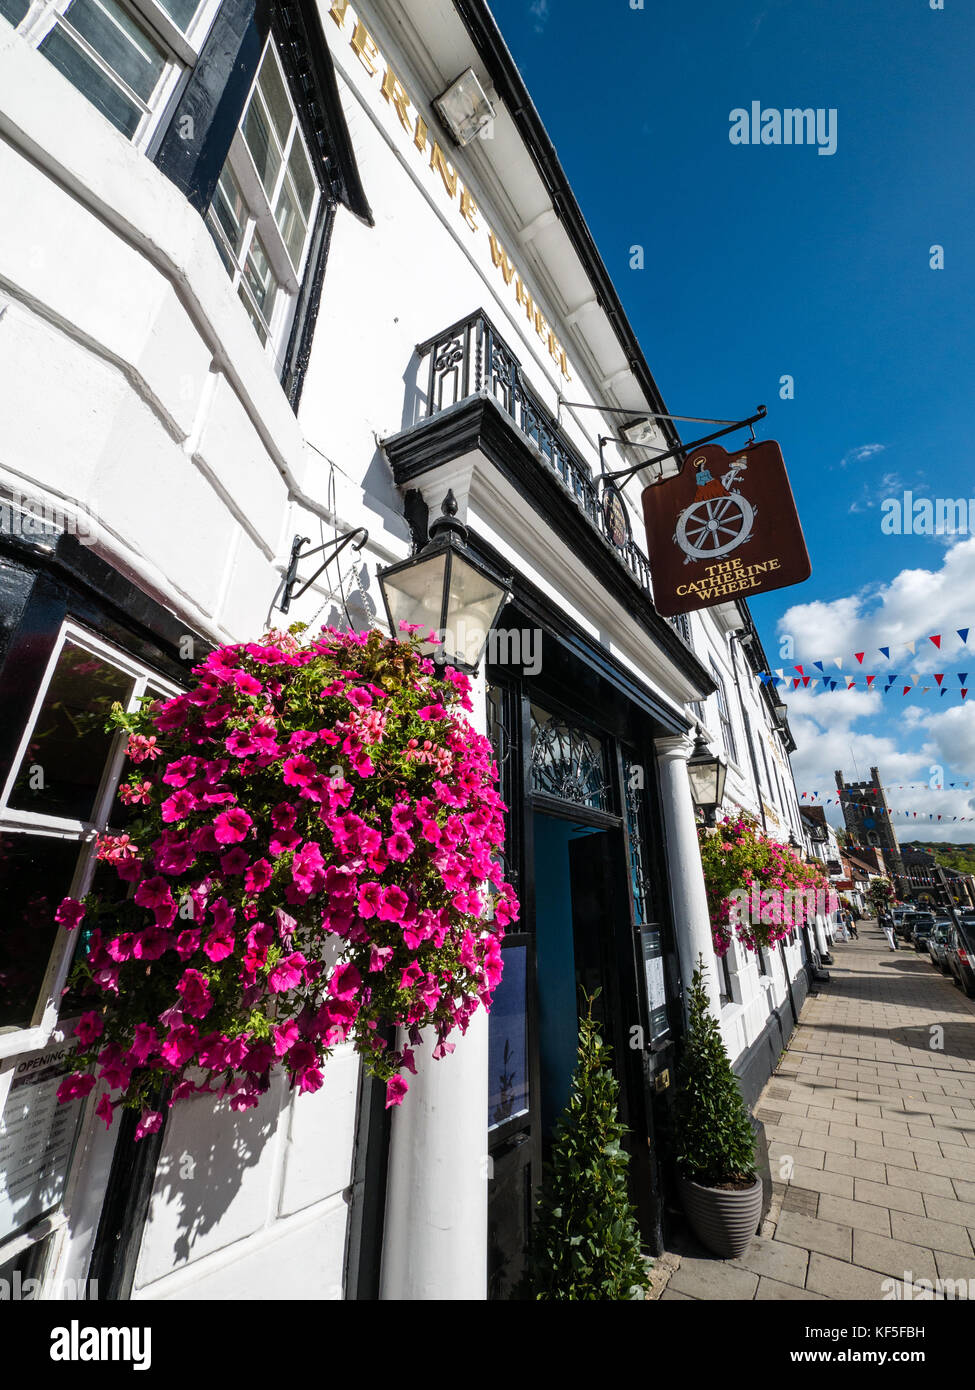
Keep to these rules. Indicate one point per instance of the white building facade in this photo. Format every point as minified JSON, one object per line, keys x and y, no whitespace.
{"x":251,"y":291}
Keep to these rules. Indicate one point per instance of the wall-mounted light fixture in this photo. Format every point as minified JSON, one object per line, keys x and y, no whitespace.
{"x":465,"y":107}
{"x":707,"y":773}
{"x":448,"y":590}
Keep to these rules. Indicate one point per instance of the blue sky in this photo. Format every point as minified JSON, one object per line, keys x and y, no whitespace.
{"x":763,"y":261}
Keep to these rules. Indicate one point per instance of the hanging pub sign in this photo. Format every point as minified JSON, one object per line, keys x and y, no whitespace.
{"x":725,"y":527}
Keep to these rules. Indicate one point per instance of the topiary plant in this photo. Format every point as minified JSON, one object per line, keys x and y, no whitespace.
{"x":586,"y":1242}
{"x":714,"y":1140}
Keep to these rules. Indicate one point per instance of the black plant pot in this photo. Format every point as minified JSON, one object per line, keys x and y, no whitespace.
{"x":723,"y":1219}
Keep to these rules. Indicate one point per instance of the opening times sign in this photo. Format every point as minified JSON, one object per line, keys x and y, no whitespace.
{"x":726,"y":527}
{"x":37,"y":1136}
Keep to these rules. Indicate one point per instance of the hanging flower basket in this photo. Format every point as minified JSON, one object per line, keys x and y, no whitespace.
{"x":314,"y":862}
{"x":758,"y":890}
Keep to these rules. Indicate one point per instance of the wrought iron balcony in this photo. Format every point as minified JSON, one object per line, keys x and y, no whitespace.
{"x":472,"y":358}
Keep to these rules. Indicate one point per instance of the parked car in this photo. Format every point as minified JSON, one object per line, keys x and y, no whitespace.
{"x":938,"y":944}
{"x":905,"y":925}
{"x":961,"y":955}
{"x":922,"y":926}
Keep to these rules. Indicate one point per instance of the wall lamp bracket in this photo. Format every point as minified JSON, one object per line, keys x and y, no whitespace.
{"x":334,"y":547}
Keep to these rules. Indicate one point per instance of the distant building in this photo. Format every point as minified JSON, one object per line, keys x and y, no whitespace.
{"x":923,"y":884}
{"x":868,"y":822}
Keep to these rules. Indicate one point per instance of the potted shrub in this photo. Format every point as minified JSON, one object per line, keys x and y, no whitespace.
{"x":714,"y":1142}
{"x":586,"y":1242}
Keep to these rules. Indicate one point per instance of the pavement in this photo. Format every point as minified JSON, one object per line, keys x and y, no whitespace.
{"x":870,"y":1118}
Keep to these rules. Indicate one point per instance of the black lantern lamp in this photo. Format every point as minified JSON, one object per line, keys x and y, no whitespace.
{"x":447,"y":589}
{"x":707,"y":773}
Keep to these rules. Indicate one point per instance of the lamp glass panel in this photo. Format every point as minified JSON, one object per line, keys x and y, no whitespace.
{"x":414,"y":594}
{"x":466,"y":108}
{"x":721,"y":773}
{"x":471,"y":609}
{"x":704,"y":782}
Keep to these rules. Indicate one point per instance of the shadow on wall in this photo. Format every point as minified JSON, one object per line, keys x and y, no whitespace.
{"x":210,"y":1150}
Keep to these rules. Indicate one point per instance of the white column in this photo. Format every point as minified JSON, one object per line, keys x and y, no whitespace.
{"x":692,"y":923}
{"x":435,"y":1239}
{"x":435,"y":1234}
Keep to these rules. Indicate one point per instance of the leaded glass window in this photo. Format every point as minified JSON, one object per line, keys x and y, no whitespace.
{"x":567,"y":762}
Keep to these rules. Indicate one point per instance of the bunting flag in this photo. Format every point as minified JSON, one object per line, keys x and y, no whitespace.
{"x":940,"y":678}
{"x":885,"y":650}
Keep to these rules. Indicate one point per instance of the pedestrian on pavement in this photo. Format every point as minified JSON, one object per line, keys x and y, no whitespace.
{"x":851,"y":926}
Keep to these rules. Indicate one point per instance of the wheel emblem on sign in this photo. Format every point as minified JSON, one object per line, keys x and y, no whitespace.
{"x":719,"y":519}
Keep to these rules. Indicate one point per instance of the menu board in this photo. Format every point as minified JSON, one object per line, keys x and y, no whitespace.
{"x":653,"y":965}
{"x":37,"y":1135}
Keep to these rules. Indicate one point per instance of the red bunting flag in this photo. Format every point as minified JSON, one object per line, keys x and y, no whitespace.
{"x":908,"y":689}
{"x":800,"y":670}
{"x":964,"y":692}
{"x":940,"y":678}
{"x":859,"y":656}
{"x":871,"y":679}
{"x":936,"y":639}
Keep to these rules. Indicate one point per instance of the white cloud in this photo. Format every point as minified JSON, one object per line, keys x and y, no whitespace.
{"x":861,"y":453}
{"x":539,"y":11}
{"x":914,"y":605}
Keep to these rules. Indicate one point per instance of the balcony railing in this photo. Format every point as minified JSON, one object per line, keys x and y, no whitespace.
{"x":472,"y":357}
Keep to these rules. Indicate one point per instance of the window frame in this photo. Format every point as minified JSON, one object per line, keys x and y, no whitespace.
{"x":260,"y":220}
{"x":45,"y":1014}
{"x":180,"y":49}
{"x":724,"y":716}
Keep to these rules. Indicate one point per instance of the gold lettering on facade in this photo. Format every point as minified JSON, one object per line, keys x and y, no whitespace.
{"x":468,"y":207}
{"x":500,"y":258}
{"x":420,"y":134}
{"x":398,"y":97}
{"x":448,"y":175}
{"x":338,"y":11}
{"x":523,"y":297}
{"x":364,"y":45}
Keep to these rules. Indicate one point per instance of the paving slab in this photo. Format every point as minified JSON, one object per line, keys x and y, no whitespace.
{"x":888,"y":1195}
{"x":946,"y":1209}
{"x":937,"y":1235}
{"x":860,"y":1215}
{"x":813,"y":1233}
{"x":771,"y":1290}
{"x":713,"y":1280}
{"x":838,"y":1280}
{"x":894,"y":1257}
{"x":773,"y":1259}
{"x":857,"y":1167}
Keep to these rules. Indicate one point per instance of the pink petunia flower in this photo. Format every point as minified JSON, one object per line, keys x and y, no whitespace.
{"x":396,"y":1089}
{"x":231,"y":827}
{"x":75,"y":1086}
{"x":70,"y":913}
